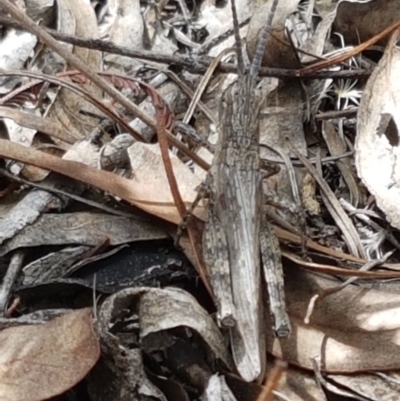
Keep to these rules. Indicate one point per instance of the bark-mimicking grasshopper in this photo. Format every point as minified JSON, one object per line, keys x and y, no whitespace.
{"x":236,"y":231}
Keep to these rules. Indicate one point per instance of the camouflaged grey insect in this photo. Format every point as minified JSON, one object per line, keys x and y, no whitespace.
{"x":236,"y":231}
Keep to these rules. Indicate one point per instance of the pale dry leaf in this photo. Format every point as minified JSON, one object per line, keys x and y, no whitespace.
{"x":203,"y":152}
{"x":21,"y":135}
{"x":121,"y":371}
{"x":15,"y":48}
{"x":35,"y":174}
{"x":36,"y":202}
{"x":18,"y":133}
{"x":126,"y":28}
{"x":68,"y":107}
{"x":377,"y":142}
{"x":122,"y":376}
{"x":52,"y":265}
{"x":121,"y":363}
{"x":85,"y":152}
{"x":216,"y":20}
{"x":39,"y":362}
{"x":41,"y":11}
{"x":356,"y":329}
{"x":318,"y":41}
{"x":113,"y":154}
{"x":316,"y":45}
{"x":171,"y":95}
{"x":47,"y":60}
{"x":66,"y":23}
{"x":149,"y":174}
{"x":35,"y":318}
{"x":360,"y":20}
{"x":217,"y":390}
{"x":281,"y":124}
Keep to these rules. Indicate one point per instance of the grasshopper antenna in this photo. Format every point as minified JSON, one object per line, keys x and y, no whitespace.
{"x":238,"y":42}
{"x":259,"y":54}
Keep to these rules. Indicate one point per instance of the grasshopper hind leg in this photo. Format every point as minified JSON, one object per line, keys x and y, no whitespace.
{"x":216,"y":257}
{"x":273,"y":274}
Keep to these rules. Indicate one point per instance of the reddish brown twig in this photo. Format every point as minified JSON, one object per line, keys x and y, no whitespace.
{"x":272,"y":380}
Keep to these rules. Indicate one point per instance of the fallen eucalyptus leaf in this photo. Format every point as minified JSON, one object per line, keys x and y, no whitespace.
{"x":356,"y":329}
{"x":39,"y":362}
{"x":377,"y":142}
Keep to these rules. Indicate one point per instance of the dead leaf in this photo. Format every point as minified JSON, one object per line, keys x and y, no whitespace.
{"x":181,"y":307}
{"x":149,"y":172}
{"x":356,"y":329}
{"x":15,"y":48}
{"x":360,"y":20}
{"x":82,"y":229}
{"x":125,"y":28}
{"x":308,"y":190}
{"x":34,"y":122}
{"x":67,"y":108}
{"x":217,"y":390}
{"x":39,"y":362}
{"x":377,"y":141}
{"x":157,"y":310}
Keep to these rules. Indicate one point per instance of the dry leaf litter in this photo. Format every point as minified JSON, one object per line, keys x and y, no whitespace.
{"x":97,"y":302}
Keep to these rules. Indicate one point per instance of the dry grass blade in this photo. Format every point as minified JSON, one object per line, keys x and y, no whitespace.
{"x":340,"y":271}
{"x":190,"y":94}
{"x":343,"y":57}
{"x":342,"y":220}
{"x":202,"y":86}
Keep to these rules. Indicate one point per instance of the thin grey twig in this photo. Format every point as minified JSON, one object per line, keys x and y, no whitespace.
{"x":12,"y":274}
